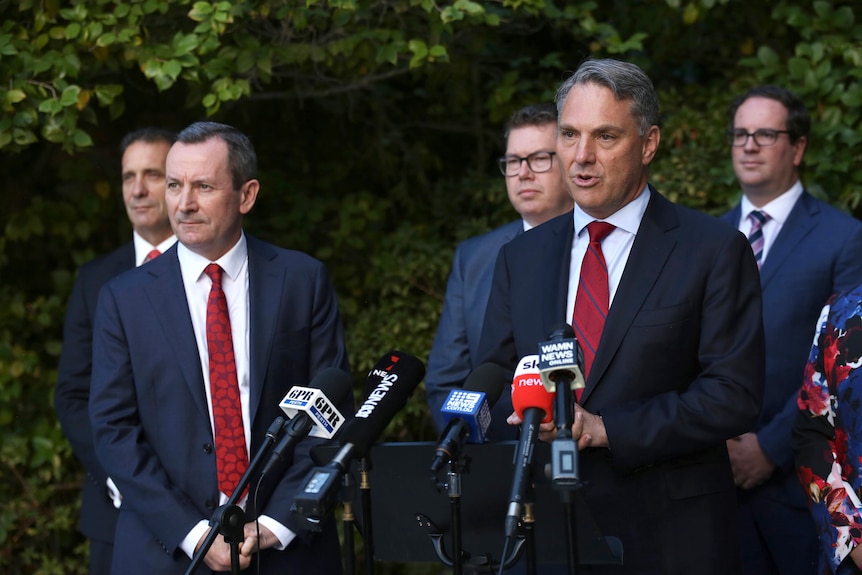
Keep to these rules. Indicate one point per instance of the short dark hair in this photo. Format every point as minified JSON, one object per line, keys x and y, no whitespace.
{"x":625,"y":80}
{"x":798,"y":119}
{"x":241,"y":157}
{"x":532,"y":115}
{"x":150,"y":135}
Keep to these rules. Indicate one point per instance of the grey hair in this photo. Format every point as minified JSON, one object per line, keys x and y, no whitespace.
{"x":626,"y":81}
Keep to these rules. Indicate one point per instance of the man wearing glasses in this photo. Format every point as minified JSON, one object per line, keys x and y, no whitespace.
{"x":806,"y":251}
{"x":536,"y":191}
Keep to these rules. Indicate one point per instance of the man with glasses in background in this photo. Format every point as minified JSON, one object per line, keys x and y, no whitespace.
{"x":806,"y":250}
{"x":536,"y":191}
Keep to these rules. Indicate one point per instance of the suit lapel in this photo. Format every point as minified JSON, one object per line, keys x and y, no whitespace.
{"x":265,"y":283}
{"x":801,"y":220}
{"x":554,"y":276}
{"x":653,"y":245}
{"x":170,"y":305}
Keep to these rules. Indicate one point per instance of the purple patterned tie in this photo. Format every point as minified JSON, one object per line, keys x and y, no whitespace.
{"x":593,"y":297}
{"x":231,"y":452}
{"x":755,"y":235}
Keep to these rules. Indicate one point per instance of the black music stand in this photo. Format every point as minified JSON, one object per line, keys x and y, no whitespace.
{"x":408,"y":508}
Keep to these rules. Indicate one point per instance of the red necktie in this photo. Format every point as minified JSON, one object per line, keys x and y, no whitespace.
{"x":231,"y":452}
{"x":152,"y":255}
{"x":592,"y":299}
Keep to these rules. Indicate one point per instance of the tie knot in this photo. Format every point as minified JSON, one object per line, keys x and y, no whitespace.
{"x":153,"y":254}
{"x":214,"y":271}
{"x":758,"y":217}
{"x":599,"y":230}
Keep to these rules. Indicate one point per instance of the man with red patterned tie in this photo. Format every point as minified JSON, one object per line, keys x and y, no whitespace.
{"x":143,"y":177}
{"x":192,"y":355}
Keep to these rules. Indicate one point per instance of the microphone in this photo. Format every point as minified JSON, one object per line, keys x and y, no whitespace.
{"x":534,"y":405}
{"x":312,"y":411}
{"x":396,"y":375}
{"x":467,"y":412}
{"x":559,"y":363}
{"x":560,"y":359}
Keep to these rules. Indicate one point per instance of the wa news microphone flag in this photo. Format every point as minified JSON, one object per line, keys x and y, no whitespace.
{"x":312,"y":411}
{"x":467,"y":412}
{"x":392,"y":379}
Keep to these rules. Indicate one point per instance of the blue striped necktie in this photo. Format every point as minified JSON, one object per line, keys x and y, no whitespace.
{"x":755,"y":236}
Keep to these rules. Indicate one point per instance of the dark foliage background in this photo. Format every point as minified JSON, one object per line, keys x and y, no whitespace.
{"x":377,"y":125}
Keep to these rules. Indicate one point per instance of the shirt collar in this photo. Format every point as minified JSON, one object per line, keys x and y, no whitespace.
{"x":143,"y":247}
{"x":779,"y":208}
{"x":627,"y":218}
{"x":192,"y":264}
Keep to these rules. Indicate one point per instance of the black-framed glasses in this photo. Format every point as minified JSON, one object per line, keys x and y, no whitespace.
{"x":538,"y":162}
{"x":762,"y":137}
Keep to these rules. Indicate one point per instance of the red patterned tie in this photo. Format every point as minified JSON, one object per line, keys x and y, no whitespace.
{"x":154,"y":253}
{"x":592,"y":299}
{"x":231,"y":452}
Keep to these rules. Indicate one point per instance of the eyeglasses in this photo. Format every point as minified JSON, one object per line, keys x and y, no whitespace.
{"x":538,"y":162}
{"x":762,"y":137}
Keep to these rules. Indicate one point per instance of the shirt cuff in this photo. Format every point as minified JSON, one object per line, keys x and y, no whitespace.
{"x":191,"y":540}
{"x":282,"y":533}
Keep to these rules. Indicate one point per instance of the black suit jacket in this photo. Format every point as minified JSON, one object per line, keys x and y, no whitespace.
{"x":72,"y":392}
{"x":679,"y":370}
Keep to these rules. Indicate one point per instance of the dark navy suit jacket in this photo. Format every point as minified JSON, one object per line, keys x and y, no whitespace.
{"x":678,"y":371}
{"x":456,"y":345}
{"x":72,"y":392}
{"x":149,"y":411}
{"x":818,"y":252}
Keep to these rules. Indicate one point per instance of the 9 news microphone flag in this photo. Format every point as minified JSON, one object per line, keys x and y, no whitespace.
{"x":468,"y":412}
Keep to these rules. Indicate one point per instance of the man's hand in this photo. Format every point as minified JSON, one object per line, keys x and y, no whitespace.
{"x":588,"y":429}
{"x":218,"y":555}
{"x":252,"y":543}
{"x":751,"y":467}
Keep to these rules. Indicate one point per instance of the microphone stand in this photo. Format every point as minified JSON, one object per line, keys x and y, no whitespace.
{"x":348,"y":521}
{"x":564,"y":463}
{"x":367,"y":531}
{"x":229,"y":519}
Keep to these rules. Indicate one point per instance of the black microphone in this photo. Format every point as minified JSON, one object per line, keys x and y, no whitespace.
{"x":534,"y":405}
{"x":468,"y":412}
{"x":396,"y":375}
{"x":312,"y":410}
{"x":559,"y":364}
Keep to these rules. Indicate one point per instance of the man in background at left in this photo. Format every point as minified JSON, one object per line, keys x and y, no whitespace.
{"x":143,"y":176}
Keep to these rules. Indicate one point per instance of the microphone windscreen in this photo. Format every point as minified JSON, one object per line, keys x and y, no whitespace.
{"x":391,"y":381}
{"x":528,"y":391}
{"x":488,"y":378}
{"x":336,"y":384}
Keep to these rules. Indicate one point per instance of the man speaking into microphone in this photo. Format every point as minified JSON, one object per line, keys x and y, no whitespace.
{"x":666,"y":306}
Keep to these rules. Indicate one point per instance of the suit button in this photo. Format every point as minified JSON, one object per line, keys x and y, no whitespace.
{"x":210,"y":504}
{"x":208,"y":448}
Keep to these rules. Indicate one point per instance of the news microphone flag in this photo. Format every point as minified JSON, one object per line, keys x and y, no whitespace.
{"x":470,"y":407}
{"x":528,"y":389}
{"x":558,"y":358}
{"x":391,"y":380}
{"x":313,"y":401}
